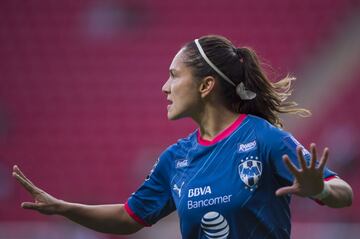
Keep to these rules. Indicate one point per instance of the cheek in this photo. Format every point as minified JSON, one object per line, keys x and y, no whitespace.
{"x":184,"y":90}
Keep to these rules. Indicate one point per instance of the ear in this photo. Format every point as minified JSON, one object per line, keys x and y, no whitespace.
{"x":206,"y":86}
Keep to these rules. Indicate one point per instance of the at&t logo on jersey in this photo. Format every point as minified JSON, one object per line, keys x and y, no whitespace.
{"x":250,"y":171}
{"x":214,"y":225}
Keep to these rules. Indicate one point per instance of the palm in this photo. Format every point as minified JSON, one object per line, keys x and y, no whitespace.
{"x":308,"y":179}
{"x":43,"y":202}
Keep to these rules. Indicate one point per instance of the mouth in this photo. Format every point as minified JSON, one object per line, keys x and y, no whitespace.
{"x":169,"y":104}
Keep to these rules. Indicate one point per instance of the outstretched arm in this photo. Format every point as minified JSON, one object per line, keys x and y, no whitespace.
{"x":309,"y":181}
{"x":103,"y":218}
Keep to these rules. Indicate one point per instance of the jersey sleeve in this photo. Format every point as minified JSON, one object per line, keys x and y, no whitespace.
{"x":283,"y":143}
{"x":153,"y":200}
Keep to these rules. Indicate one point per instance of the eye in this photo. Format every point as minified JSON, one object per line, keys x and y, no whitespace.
{"x":171,"y":73}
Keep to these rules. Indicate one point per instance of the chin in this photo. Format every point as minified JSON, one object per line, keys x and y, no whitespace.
{"x":171,"y":116}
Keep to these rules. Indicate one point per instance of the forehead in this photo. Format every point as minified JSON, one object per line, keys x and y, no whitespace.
{"x":178,"y":60}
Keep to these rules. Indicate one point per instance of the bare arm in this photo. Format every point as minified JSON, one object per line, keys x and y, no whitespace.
{"x":103,"y":218}
{"x":340,"y":194}
{"x":110,"y":218}
{"x":309,"y":181}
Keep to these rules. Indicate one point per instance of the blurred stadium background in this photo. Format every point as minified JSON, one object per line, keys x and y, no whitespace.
{"x":82,"y":112}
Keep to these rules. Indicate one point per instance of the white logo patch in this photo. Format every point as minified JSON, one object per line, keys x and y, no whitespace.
{"x":215,"y":225}
{"x":194,"y":192}
{"x":250,"y":172}
{"x":182,"y":163}
{"x":247,"y":147}
{"x":177,"y":189}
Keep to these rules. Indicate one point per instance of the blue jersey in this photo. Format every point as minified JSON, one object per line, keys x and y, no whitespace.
{"x":224,"y":188}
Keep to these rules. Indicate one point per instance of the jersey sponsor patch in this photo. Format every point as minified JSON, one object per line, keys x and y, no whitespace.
{"x":181,"y":163}
{"x":200,"y":191}
{"x":207,"y":202}
{"x":214,"y":225}
{"x":247,"y":147}
{"x":202,"y":197}
{"x":250,"y":172}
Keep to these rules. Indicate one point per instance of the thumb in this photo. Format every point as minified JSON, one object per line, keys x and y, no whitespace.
{"x":30,"y":205}
{"x":285,"y":190}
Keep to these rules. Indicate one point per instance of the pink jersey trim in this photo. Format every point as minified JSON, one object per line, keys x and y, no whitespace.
{"x":134,"y":216}
{"x":330,"y":177}
{"x":225,"y":133}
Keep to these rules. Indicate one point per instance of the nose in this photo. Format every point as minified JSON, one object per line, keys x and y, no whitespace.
{"x":166,"y":87}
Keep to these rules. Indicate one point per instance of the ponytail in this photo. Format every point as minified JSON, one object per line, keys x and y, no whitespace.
{"x":242,"y":67}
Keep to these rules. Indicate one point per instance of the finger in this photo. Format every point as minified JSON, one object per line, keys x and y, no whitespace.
{"x":324,"y":159}
{"x":293,"y":169}
{"x":286,"y":190}
{"x":18,"y":171}
{"x":313,"y":156}
{"x":28,"y":186}
{"x":300,"y":157}
{"x":30,"y":205}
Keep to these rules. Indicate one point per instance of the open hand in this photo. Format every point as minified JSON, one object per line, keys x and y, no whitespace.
{"x":308,"y":179}
{"x":43,"y":202}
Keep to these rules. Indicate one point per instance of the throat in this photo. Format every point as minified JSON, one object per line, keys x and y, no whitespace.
{"x":218,"y":130}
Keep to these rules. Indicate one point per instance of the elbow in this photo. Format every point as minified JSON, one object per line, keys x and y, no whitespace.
{"x":127,"y":231}
{"x":118,"y":231}
{"x":126,"y":228}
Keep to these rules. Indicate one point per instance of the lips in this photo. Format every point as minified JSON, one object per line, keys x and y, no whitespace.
{"x":169,"y":104}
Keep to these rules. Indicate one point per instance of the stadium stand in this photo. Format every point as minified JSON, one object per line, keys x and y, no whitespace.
{"x":81,"y":106}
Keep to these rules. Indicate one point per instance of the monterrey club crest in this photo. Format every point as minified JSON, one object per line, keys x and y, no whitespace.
{"x":250,"y":172}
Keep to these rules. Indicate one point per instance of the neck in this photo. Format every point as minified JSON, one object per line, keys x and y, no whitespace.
{"x":213,"y":120}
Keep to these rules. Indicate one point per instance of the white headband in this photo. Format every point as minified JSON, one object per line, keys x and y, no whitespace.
{"x":240,"y":89}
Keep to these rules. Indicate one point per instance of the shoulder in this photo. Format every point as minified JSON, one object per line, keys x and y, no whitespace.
{"x":261,"y":124}
{"x":166,"y":163}
{"x":267,"y":133}
{"x":180,"y":148}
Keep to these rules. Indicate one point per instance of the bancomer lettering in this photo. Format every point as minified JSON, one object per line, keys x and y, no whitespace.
{"x":209,"y":202}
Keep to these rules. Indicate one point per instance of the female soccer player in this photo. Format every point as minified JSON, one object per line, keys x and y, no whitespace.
{"x":234,"y":175}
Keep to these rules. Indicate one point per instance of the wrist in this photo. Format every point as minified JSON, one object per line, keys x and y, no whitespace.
{"x":63,"y":207}
{"x":324,"y":193}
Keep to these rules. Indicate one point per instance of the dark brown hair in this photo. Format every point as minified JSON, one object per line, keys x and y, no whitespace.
{"x":242,"y":65}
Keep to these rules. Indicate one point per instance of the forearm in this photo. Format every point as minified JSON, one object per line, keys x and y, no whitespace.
{"x":103,"y":218}
{"x":340,"y":194}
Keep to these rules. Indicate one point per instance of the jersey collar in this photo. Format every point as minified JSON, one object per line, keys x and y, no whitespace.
{"x":223,"y":134}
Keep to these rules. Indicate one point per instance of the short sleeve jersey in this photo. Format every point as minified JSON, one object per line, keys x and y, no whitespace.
{"x":224,"y":188}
